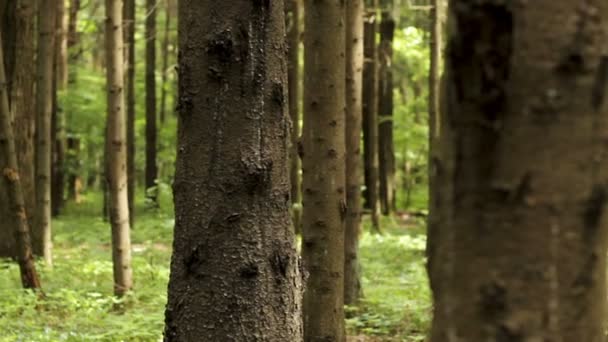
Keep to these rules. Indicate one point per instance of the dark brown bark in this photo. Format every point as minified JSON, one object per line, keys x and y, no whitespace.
{"x":151,"y":130}
{"x":386,"y":148}
{"x":518,"y":241}
{"x":354,"y":79}
{"x":370,"y":117}
{"x":129,"y":27}
{"x":293,"y":10}
{"x":323,"y":168}
{"x":10,"y":174}
{"x":17,"y":26}
{"x":234,"y":271}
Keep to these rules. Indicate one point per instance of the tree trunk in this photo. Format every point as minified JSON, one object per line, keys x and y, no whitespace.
{"x":518,"y":243}
{"x":293,"y":10}
{"x":354,"y":78}
{"x":16,"y":202}
{"x":151,"y":166}
{"x":386,"y":149}
{"x":44,"y":108}
{"x":235,"y":271}
{"x":370,"y":116}
{"x":129,"y":19}
{"x":323,"y":167}
{"x":73,"y":37}
{"x":18,"y":38}
{"x":60,"y":82}
{"x":62,"y":45}
{"x":165,"y":62}
{"x":117,"y":151}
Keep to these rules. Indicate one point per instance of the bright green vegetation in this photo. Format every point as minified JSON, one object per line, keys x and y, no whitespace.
{"x":79,"y":305}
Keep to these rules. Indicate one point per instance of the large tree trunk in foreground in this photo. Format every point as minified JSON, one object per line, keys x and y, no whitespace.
{"x":10,"y":174}
{"x":517,"y":248}
{"x":234,"y":271}
{"x":354,"y":79}
{"x":370,"y":117}
{"x":151,"y":166}
{"x":293,"y":10}
{"x":116,"y":150}
{"x":129,"y":31}
{"x":386,"y":148}
{"x":44,"y":108}
{"x":323,"y":167}
{"x":17,"y":27}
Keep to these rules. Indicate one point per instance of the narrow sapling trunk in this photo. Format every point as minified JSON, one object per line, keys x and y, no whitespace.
{"x":116,"y":151}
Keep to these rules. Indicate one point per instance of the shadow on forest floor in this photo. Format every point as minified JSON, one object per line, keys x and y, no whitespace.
{"x":80,"y":306}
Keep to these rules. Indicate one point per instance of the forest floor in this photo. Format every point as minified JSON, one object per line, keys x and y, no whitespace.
{"x":79,"y":305}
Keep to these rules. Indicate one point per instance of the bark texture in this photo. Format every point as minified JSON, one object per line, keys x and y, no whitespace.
{"x":116,"y":150}
{"x":151,"y":130}
{"x":10,"y":174}
{"x":235,"y":271}
{"x":44,"y":112}
{"x":323,"y":167}
{"x":354,"y":81}
{"x":129,"y":31}
{"x":518,"y":243}
{"x":386,"y":148}
{"x":293,"y":10}
{"x":370,"y":117}
{"x":17,"y":26}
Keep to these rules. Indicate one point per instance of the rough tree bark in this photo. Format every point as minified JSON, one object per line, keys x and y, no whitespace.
{"x":10,"y":173}
{"x":323,"y":167}
{"x":117,"y":151}
{"x":44,"y":108}
{"x":17,"y":26}
{"x":354,"y":79}
{"x":518,"y":243}
{"x":151,"y":145}
{"x":386,"y":149}
{"x":129,"y":31}
{"x":370,"y":116}
{"x":234,"y":271}
{"x":293,"y":10}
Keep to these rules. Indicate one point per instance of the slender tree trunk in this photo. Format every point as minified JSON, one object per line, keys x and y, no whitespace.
{"x":235,"y":270}
{"x":151,"y":130}
{"x":11,"y":176}
{"x":60,"y":82}
{"x":386,"y":149}
{"x":354,"y":79}
{"x":117,"y":150}
{"x":293,"y":9}
{"x":44,"y":108}
{"x":73,"y":38}
{"x":323,"y":166}
{"x":18,"y":39}
{"x":129,"y":19}
{"x":370,"y":116}
{"x":517,"y":250}
{"x":62,"y":45}
{"x":165,"y":61}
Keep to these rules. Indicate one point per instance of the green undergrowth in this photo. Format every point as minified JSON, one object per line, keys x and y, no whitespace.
{"x":79,"y":305}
